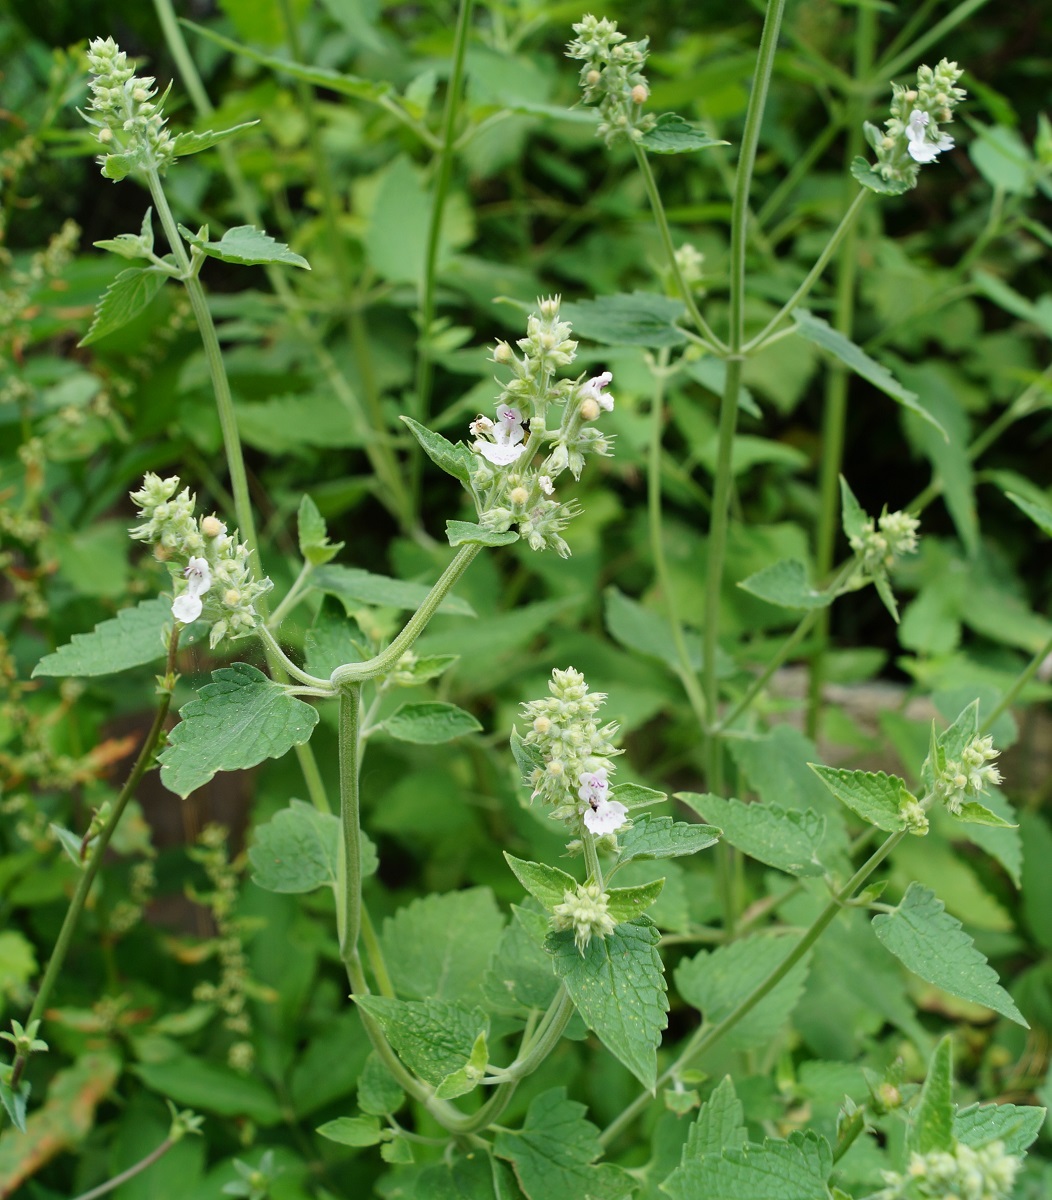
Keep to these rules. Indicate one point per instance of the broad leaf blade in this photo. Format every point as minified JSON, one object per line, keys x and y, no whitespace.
{"x":785,"y":583}
{"x":435,"y":1038}
{"x":241,"y":718}
{"x":661,"y":837}
{"x":298,"y":849}
{"x":133,"y":638}
{"x":781,"y":837}
{"x":430,"y":723}
{"x":123,"y":300}
{"x":673,"y":135}
{"x":639,"y":319}
{"x":356,"y":587}
{"x":247,"y":246}
{"x":876,"y":797}
{"x":456,"y":460}
{"x":462,"y":533}
{"x":931,"y":1125}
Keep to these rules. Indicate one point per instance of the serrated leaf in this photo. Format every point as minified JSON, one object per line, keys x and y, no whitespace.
{"x":290,"y":423}
{"x":797,"y":1169}
{"x":979,"y":814}
{"x":785,"y":583}
{"x":717,"y":981}
{"x":356,"y":587}
{"x":193,"y":143}
{"x":552,"y":1154}
{"x":298,"y":850}
{"x":875,"y":797}
{"x":820,"y":333}
{"x":246,"y":246}
{"x":719,"y":1126}
{"x":133,"y":638}
{"x":456,"y":460}
{"x":520,"y":975}
{"x":435,"y":1038}
{"x":1041,"y":516}
{"x":931,"y":1121}
{"x":854,"y":519}
{"x":241,"y":718}
{"x":314,"y":534}
{"x":466,"y":1078}
{"x":440,"y":946}
{"x":352,"y":1131}
{"x":544,"y":883}
{"x":1017,"y":1125}
{"x":865,"y":175}
{"x":618,"y":987}
{"x":638,"y":319}
{"x":123,"y":300}
{"x":378,"y":1091}
{"x":132,"y":245}
{"x":925,"y":938}
{"x":661,"y":837}
{"x":784,"y":838}
{"x":625,"y":904}
{"x":429,"y":723}
{"x":462,"y":533}
{"x":635,"y":795}
{"x":673,"y":135}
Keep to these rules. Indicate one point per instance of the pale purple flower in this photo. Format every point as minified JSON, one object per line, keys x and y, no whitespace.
{"x":920,"y":149}
{"x":593,"y":388}
{"x":507,"y":444}
{"x":198,"y":575}
{"x":602,"y":815}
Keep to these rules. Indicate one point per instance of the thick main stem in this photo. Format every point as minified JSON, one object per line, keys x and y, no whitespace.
{"x":349,"y":883}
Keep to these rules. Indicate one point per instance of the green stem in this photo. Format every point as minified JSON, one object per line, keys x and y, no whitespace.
{"x":292,"y":597}
{"x":543,"y":1042}
{"x":110,"y":1185}
{"x":834,"y":416}
{"x":705,"y":1038}
{"x":349,"y":887}
{"x":91,"y":867}
{"x":355,"y":673}
{"x":443,"y":175}
{"x":591,"y":858}
{"x":1028,"y":673}
{"x":932,"y":37}
{"x":657,"y":207}
{"x":276,"y":654}
{"x":684,"y":669}
{"x":375,"y":955}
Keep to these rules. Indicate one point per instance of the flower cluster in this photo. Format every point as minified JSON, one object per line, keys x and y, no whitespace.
{"x":879,"y":544}
{"x":131,"y":126}
{"x":211,"y":569}
{"x":967,"y":1174}
{"x":968,"y":777}
{"x":612,"y":77}
{"x":912,"y":134}
{"x":574,"y":755}
{"x":585,"y":912}
{"x":508,"y":490}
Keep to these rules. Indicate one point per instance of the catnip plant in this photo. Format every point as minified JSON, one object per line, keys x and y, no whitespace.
{"x":460,"y":1088}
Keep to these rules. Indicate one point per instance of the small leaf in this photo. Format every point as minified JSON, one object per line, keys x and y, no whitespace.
{"x":1041,"y":516}
{"x":194,"y":143}
{"x":931,"y":1123}
{"x":625,"y":904}
{"x":429,"y":723}
{"x":635,"y":795}
{"x":433,"y":1037}
{"x":925,"y":938}
{"x":720,"y":1125}
{"x":639,"y":319}
{"x":456,"y":460}
{"x":820,"y":333}
{"x":378,"y":1092}
{"x":15,"y":1101}
{"x":1017,"y":1125}
{"x":783,"y":838}
{"x":853,"y":517}
{"x":314,"y":535}
{"x":247,"y":246}
{"x":297,"y":850}
{"x":461,"y":533}
{"x":466,"y":1078}
{"x":126,"y":297}
{"x":134,"y":637}
{"x":874,"y":796}
{"x":979,"y":814}
{"x":618,"y":987}
{"x":132,"y":245}
{"x":785,"y":583}
{"x":71,"y":843}
{"x":241,"y":718}
{"x":673,"y":135}
{"x":876,"y":182}
{"x":544,"y":883}
{"x":661,"y":837}
{"x":352,"y":1131}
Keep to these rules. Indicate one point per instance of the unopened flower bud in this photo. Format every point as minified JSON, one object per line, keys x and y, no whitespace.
{"x":518,"y":496}
{"x":212,"y":527}
{"x":589,"y":409}
{"x":231,"y":597}
{"x":105,"y":135}
{"x":640,"y":93}
{"x":593,"y":77}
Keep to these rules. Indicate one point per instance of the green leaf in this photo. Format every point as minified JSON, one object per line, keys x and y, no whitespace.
{"x":123,"y":300}
{"x":635,"y":795}
{"x":314,"y":535}
{"x":440,"y":946}
{"x":132,"y":245}
{"x":356,"y":587}
{"x":627,"y":903}
{"x":931,"y":1122}
{"x":520,"y":975}
{"x":427,"y":666}
{"x":822,"y":334}
{"x":435,"y":1038}
{"x":979,"y":814}
{"x":241,"y":718}
{"x":134,"y":637}
{"x":1017,"y":1125}
{"x":15,"y":1101}
{"x":639,"y":629}
{"x":874,"y":796}
{"x":717,"y":981}
{"x":460,"y":533}
{"x":639,"y":319}
{"x":797,"y":1169}
{"x":661,"y":837}
{"x":194,"y":143}
{"x":291,"y":423}
{"x":212,"y":1088}
{"x":853,"y":517}
{"x":246,"y":246}
{"x":785,"y":583}
{"x":544,"y":883}
{"x":352,"y":1131}
{"x":864,"y":173}
{"x":378,"y":1092}
{"x":73,"y":846}
{"x":1041,"y":516}
{"x":429,"y":723}
{"x":925,"y":938}
{"x":720,"y":1125}
{"x":466,"y":1078}
{"x":333,"y":639}
{"x":781,"y":837}
{"x":553,"y":1153}
{"x":456,"y":460}
{"x":298,"y":850}
{"x":1012,"y":301}
{"x":1003,"y":159}
{"x":618,"y":987}
{"x":673,"y":135}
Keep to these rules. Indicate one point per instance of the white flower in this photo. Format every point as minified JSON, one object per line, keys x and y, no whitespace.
{"x":593,"y":389}
{"x":508,"y":444}
{"x":920,"y":149}
{"x":602,"y":815}
{"x":198,"y":575}
{"x":546,"y":484}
